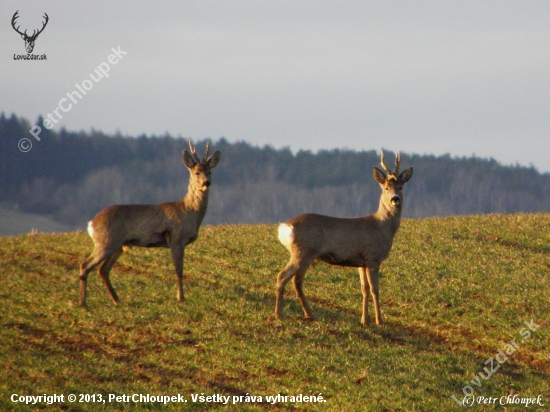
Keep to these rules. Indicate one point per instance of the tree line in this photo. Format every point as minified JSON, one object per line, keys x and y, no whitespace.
{"x":70,"y":176}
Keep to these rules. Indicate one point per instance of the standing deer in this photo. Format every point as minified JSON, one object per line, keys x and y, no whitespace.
{"x":172,"y":225}
{"x":363,"y":242}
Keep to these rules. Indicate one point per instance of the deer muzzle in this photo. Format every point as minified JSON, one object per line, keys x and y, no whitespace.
{"x":395,"y":201}
{"x":29,"y":45}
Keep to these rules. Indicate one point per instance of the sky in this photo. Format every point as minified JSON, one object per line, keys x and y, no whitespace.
{"x":428,"y":77}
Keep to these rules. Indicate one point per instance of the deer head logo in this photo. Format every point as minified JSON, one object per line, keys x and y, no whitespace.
{"x":29,"y":40}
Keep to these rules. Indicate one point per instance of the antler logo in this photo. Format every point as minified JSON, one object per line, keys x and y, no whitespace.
{"x":29,"y":40}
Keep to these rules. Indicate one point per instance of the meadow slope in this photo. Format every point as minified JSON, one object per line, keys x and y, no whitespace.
{"x":454,"y":292}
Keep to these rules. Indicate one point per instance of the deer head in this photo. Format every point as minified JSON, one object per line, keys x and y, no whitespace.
{"x":200,"y":169}
{"x":29,"y":40}
{"x":392,"y":183}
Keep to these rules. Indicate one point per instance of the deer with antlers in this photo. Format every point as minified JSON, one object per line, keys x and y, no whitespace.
{"x":29,"y":40}
{"x":171,"y":225}
{"x":363,"y":242}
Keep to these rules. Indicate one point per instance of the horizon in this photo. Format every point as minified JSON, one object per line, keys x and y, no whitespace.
{"x":428,"y":77}
{"x":268,"y":145}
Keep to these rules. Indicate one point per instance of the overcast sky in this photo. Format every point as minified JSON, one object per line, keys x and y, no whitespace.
{"x":458,"y":77}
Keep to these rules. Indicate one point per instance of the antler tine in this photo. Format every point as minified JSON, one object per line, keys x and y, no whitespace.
{"x":205,"y":157}
{"x":43,"y":24}
{"x":193,"y":152}
{"x":15,"y":17}
{"x":386,"y":168}
{"x":397,"y":161}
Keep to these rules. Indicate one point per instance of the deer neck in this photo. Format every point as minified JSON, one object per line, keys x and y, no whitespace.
{"x":388,"y":219}
{"x":196,"y":200}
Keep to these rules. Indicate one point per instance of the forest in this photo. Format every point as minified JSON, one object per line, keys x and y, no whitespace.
{"x":70,"y":176}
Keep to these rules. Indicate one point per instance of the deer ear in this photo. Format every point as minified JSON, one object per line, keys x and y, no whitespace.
{"x":406,"y":175}
{"x":188,"y":159}
{"x":214,"y":159}
{"x":379,"y":175}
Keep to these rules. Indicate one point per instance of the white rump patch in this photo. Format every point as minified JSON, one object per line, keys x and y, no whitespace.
{"x":286,"y":235}
{"x":90,"y":229}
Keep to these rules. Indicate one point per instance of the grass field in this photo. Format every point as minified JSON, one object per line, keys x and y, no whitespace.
{"x":454,"y":292}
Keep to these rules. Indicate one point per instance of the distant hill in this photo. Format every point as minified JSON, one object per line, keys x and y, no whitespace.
{"x":13,"y":222}
{"x":70,"y":176}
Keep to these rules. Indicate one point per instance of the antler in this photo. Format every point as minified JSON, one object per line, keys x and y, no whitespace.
{"x":15,"y":16}
{"x":386,"y":168}
{"x":43,"y":26}
{"x":193,"y":151}
{"x":397,"y":161}
{"x":205,"y":157}
{"x":35,"y":33}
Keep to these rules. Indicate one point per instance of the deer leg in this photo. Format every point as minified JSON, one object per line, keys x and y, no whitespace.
{"x":293,"y":267}
{"x":365,"y":291}
{"x":97,"y":256}
{"x":177,"y":257}
{"x":298,"y":281}
{"x":104,"y":270}
{"x":372,"y":276}
{"x":282,"y":278}
{"x":83,"y":279}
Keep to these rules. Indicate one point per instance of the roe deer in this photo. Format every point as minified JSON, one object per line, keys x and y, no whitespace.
{"x":172,"y":225}
{"x":363,"y":242}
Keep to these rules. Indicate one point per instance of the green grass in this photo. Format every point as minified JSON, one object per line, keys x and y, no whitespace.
{"x":453,"y":292}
